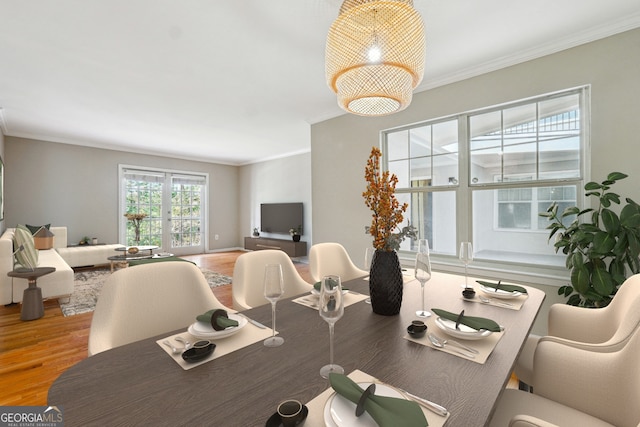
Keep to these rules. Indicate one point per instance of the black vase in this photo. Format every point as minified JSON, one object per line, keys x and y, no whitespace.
{"x":385,"y":283}
{"x":296,"y":237}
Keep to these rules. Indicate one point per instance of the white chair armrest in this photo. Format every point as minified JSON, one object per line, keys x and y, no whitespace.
{"x":529,"y":421}
{"x":597,"y":348}
{"x":524,"y":365}
{"x":578,"y":323}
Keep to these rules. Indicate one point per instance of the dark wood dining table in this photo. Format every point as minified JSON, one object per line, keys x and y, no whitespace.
{"x":139,"y":384}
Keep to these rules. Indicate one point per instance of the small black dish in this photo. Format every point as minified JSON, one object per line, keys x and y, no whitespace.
{"x":468,"y":293}
{"x":199,"y":351}
{"x":275,"y":420}
{"x":418,"y":325}
{"x":416,"y":331}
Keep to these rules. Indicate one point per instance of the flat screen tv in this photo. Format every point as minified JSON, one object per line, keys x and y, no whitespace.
{"x":280,"y":217}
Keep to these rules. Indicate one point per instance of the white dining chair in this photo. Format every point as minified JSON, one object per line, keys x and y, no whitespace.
{"x":147,"y":300}
{"x":575,"y":325}
{"x":578,"y":386}
{"x":528,"y":421}
{"x":332,"y":258}
{"x":248,"y":278}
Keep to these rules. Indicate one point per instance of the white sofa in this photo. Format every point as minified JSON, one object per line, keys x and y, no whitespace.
{"x":58,"y":284}
{"x":86,"y":255}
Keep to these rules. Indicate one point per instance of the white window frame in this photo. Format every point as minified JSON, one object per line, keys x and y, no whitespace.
{"x":464,"y":189}
{"x":169,"y":174}
{"x":534,"y":202}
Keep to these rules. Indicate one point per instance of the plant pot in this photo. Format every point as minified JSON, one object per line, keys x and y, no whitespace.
{"x":296,"y":237}
{"x":385,"y":283}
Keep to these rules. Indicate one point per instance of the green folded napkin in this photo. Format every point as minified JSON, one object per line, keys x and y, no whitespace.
{"x":508,"y":288}
{"x":476,"y":323}
{"x":386,"y":411}
{"x":317,"y":285}
{"x":222,"y":321}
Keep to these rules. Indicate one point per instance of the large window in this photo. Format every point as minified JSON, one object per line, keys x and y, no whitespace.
{"x":425,"y":160}
{"x":484,"y":176}
{"x":143,"y":192}
{"x":174,"y":206}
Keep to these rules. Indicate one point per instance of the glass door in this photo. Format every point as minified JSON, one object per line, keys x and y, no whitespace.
{"x":186,"y":214}
{"x":172,"y":205}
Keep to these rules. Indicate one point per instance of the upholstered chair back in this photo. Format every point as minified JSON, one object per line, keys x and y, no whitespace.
{"x":604,"y":384}
{"x":606,"y":325}
{"x":603,"y":327}
{"x":248,"y":278}
{"x":577,"y":386}
{"x":332,"y":258}
{"x":147,"y":300}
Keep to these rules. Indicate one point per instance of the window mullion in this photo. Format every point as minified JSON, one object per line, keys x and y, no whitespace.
{"x":464,"y":228}
{"x":502,"y":146}
{"x":537,"y":140}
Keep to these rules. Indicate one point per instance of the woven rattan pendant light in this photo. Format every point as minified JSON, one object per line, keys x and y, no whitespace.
{"x":375,"y":56}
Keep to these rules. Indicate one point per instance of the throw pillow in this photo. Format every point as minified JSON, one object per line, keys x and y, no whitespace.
{"x":35,"y":228}
{"x":28,"y":255}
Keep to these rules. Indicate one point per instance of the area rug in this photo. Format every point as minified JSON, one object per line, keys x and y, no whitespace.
{"x":87,"y":285}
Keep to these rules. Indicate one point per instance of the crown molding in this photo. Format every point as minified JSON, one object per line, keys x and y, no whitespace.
{"x":593,"y":34}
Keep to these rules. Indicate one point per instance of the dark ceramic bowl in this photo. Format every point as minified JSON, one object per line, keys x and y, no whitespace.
{"x":418,"y":325}
{"x":469,"y":293}
{"x":416,"y":331}
{"x":199,"y":351}
{"x":276,"y":421}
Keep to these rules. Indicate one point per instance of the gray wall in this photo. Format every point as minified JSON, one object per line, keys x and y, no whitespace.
{"x":2,"y":223}
{"x":77,"y":186}
{"x":340,"y":146}
{"x":284,"y":180}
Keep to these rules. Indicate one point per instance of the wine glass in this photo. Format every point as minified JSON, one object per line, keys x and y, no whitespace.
{"x":331,"y":309}
{"x":273,"y":290}
{"x":369,"y":253}
{"x":368,"y":257}
{"x":466,"y":256}
{"x":423,"y":271}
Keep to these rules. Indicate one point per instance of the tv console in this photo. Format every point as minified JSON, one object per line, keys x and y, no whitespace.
{"x":291,"y":248}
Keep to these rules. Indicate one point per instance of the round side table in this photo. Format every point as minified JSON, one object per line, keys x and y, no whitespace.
{"x":32,"y":305}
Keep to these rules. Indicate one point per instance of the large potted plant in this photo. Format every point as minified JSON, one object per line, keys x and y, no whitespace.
{"x":385,"y":276}
{"x":601,"y":248}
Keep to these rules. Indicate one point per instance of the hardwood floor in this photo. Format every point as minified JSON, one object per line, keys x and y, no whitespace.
{"x":33,"y":354}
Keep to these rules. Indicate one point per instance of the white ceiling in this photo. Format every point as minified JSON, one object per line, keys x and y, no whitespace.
{"x":237,"y":81}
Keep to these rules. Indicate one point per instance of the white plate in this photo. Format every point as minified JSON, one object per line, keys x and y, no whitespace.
{"x":465,"y":332}
{"x":341,"y":412}
{"x":206,"y":331}
{"x":500,"y":293}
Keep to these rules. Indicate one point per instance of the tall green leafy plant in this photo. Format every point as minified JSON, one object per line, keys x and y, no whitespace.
{"x":601,"y":247}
